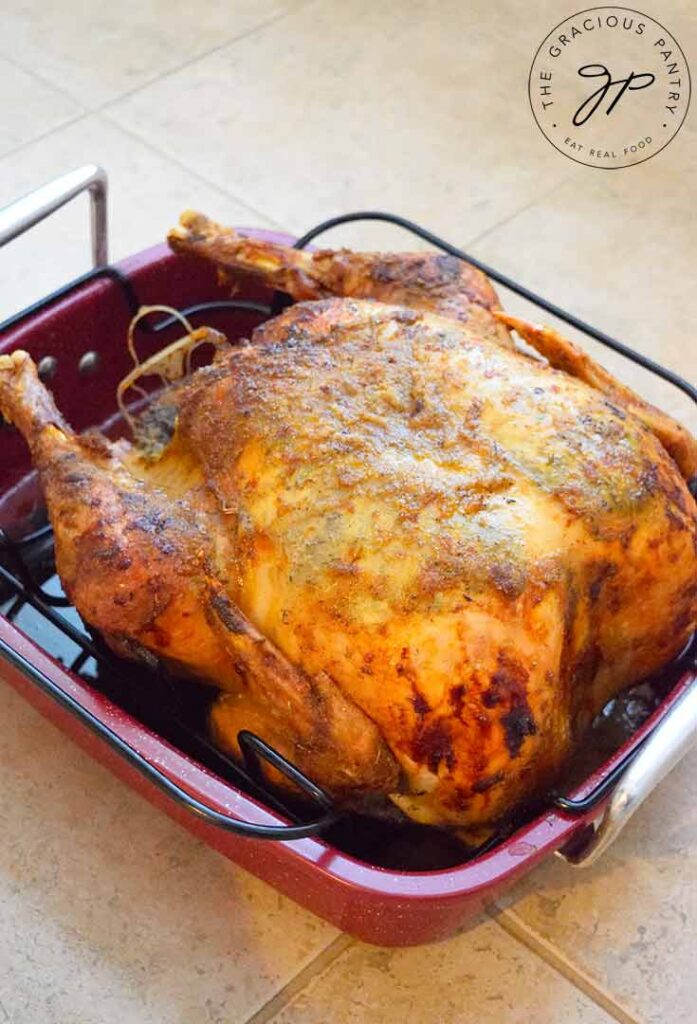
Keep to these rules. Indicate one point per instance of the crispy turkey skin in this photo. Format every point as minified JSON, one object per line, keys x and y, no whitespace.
{"x":416,"y":561}
{"x":429,"y":281}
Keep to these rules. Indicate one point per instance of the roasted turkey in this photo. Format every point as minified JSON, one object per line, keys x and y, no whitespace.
{"x":414,"y":559}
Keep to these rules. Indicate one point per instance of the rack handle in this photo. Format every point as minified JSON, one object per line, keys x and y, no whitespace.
{"x":670,"y":740}
{"x":24,"y":213}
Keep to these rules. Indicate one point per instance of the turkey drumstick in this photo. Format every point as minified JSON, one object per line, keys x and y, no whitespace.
{"x":428,"y":281}
{"x":137,"y":561}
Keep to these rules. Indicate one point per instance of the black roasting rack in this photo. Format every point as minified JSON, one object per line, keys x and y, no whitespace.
{"x":31,"y":597}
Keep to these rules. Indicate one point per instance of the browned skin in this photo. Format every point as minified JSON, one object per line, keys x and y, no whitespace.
{"x":428,"y":281}
{"x":136,"y":564}
{"x":563,"y":354}
{"x":407,"y":553}
{"x":424,"y":281}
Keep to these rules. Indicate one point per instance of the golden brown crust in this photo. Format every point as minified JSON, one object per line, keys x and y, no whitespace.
{"x":564,"y":355}
{"x":444,"y":556}
{"x":433,"y":282}
{"x":307,"y":718}
{"x":478,"y":549}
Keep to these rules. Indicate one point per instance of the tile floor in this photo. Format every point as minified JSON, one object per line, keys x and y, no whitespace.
{"x":279,"y":113}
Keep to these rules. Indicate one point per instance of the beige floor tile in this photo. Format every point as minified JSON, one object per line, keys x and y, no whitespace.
{"x":147,"y":192}
{"x":617,"y":249}
{"x":349,"y":106}
{"x":29,"y":107}
{"x":481,"y":976}
{"x":97,"y":51}
{"x":631,"y":921}
{"x":109,"y":912}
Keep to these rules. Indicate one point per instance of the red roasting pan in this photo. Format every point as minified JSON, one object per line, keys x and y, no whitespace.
{"x":353,"y":874}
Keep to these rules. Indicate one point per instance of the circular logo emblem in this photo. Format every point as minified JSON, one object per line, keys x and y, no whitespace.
{"x":609,"y":87}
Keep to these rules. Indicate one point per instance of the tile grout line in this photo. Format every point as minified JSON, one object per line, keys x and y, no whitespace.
{"x":44,"y":135}
{"x":86,"y":114}
{"x":272,"y":20}
{"x":514,"y":926}
{"x":68,"y":95}
{"x":164,"y":155}
{"x":103,"y":112}
{"x":516,"y":213}
{"x":43,"y":79}
{"x":299,"y":981}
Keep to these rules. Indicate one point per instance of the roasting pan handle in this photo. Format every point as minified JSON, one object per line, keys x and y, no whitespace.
{"x":671,"y":739}
{"x":24,"y":213}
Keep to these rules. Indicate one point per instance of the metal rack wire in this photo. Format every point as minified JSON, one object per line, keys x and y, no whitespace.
{"x":89,"y":657}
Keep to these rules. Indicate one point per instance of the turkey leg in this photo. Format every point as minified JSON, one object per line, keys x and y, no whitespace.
{"x":137,"y":563}
{"x":427,"y":281}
